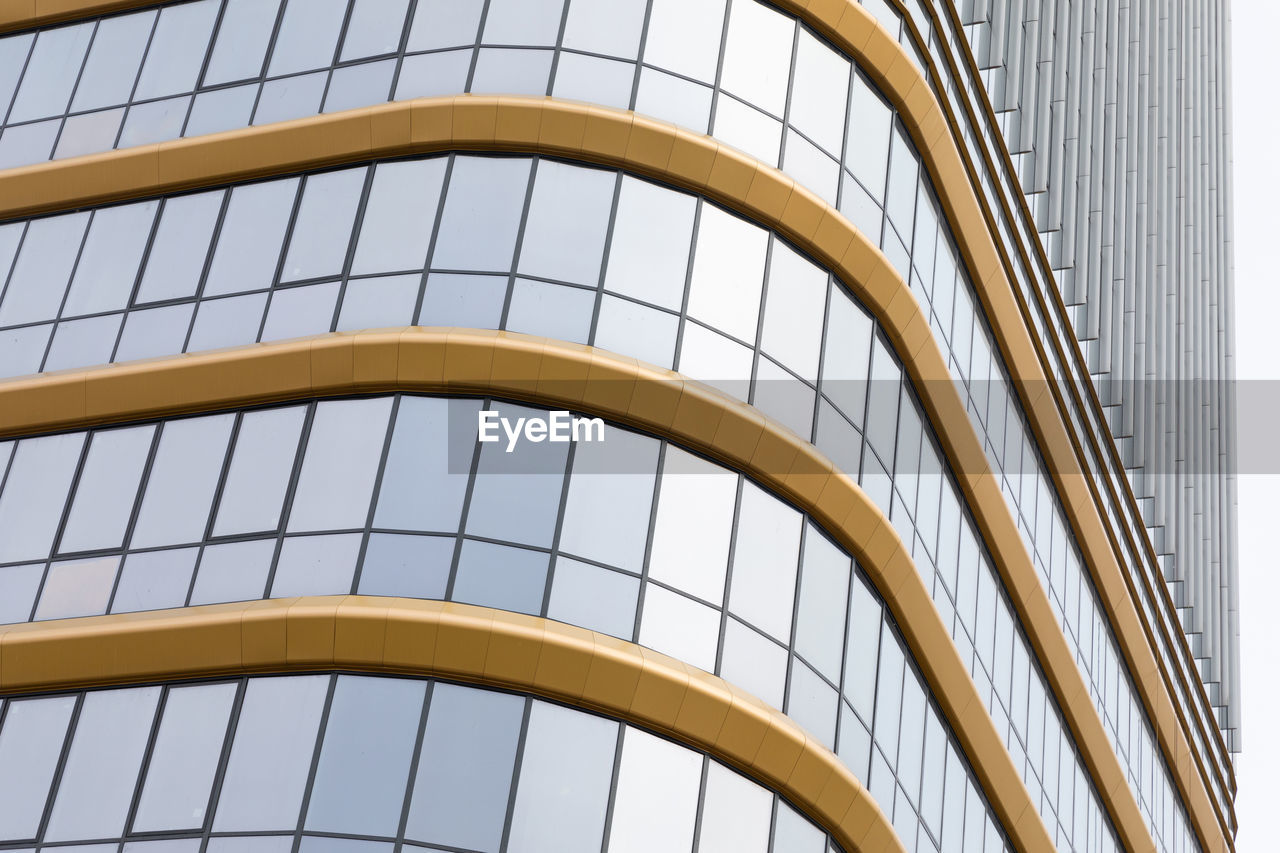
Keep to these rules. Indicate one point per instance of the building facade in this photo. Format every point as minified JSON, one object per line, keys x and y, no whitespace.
{"x":568,"y":425}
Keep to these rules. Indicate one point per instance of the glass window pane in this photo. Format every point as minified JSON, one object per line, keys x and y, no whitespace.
{"x":598,"y":81}
{"x":813,"y":704}
{"x":290,"y":97}
{"x":783,"y":397}
{"x":824,"y":592}
{"x":516,"y":496}
{"x":177,"y":49}
{"x":154,"y":580}
{"x":757,"y":56}
{"x":432,"y":443}
{"x":501,"y":576}
{"x":551,"y":310}
{"x":154,"y":121}
{"x":111,"y":259}
{"x":764,"y":562}
{"x":680,"y":627}
{"x":407,"y":566}
{"x":464,"y":774}
{"x":674,"y":99}
{"x":105,"y":493}
{"x":595,"y":598}
{"x":445,"y":23}
{"x":30,"y":746}
{"x":512,"y":72}
{"x":103,"y":763}
{"x":236,"y":571}
{"x":728,"y":271}
{"x":378,"y":303}
{"x":568,"y":217}
{"x":523,"y":21}
{"x":863,"y":650}
{"x":684,"y":36}
{"x":316,"y":565}
{"x":563,"y":789}
{"x":692,"y":529}
{"x":755,"y":663}
{"x":181,"y":243}
{"x":80,"y":343}
{"x":260,"y":469}
{"x":359,"y":85}
{"x":900,"y":202}
{"x":889,"y":693}
{"x":819,"y":92}
{"x":613,"y":29}
{"x":77,"y":588}
{"x":39,"y":278}
{"x":298,"y":311}
{"x":793,"y":311}
{"x":154,"y":332}
{"x":846,"y":361}
{"x":399,"y":215}
{"x":793,"y":833}
{"x":18,"y":587}
{"x":868,"y":137}
{"x":184,"y":473}
{"x":374,"y":28}
{"x":22,"y":349}
{"x":343,"y":452}
{"x":636,"y":330}
{"x":51,"y":72}
{"x":430,"y":74}
{"x":322,"y":230}
{"x":606,"y":516}
{"x":364,"y":763}
{"x":249,"y":239}
{"x":735,"y":813}
{"x":113,"y":62}
{"x":656,"y":801}
{"x":271,"y":756}
{"x":228,"y":322}
{"x":31,"y":506}
{"x":469,"y":301}
{"x":649,"y":253}
{"x":221,"y":109}
{"x":13,"y":56}
{"x":481,"y":214}
{"x":308,"y":35}
{"x":749,"y":129}
{"x":242,"y":40}
{"x":184,"y":758}
{"x":716,"y":360}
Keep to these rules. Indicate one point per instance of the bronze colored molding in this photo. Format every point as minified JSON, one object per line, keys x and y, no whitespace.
{"x":582,"y":378}
{"x":461,"y":642}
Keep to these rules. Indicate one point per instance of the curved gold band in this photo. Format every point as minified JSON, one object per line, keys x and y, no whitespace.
{"x":584,"y":379}
{"x":848,"y":25}
{"x":479,"y":645}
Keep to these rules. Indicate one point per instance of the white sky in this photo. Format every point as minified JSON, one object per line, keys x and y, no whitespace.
{"x":1256,"y":129}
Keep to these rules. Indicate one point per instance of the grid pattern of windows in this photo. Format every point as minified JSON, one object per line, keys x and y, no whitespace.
{"x":747,"y":73}
{"x":632,"y":536}
{"x":361,"y":764}
{"x":652,"y":272}
{"x":1010,"y":41}
{"x":741,"y":70}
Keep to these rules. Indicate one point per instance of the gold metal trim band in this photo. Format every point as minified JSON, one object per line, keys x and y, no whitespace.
{"x":479,"y":645}
{"x":582,"y":378}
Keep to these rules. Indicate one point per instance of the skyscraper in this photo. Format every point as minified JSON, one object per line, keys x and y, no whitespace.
{"x":559,"y":425}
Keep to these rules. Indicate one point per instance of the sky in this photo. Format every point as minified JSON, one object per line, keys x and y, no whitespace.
{"x":1256,"y":130}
